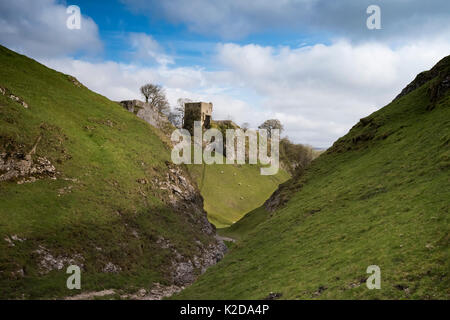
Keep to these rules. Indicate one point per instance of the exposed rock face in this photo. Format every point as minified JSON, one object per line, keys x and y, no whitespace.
{"x":146,"y":112}
{"x":74,"y":81}
{"x":183,"y":196}
{"x":15,"y":165}
{"x":92,"y":295}
{"x":48,"y":262}
{"x":276,"y":200}
{"x":284,"y":192}
{"x":111,"y":268}
{"x":13,"y":97}
{"x":438,"y":90}
{"x":210,"y":256}
{"x":23,"y":166}
{"x":183,"y":273}
{"x":273,"y":296}
{"x":186,"y":271}
{"x":11,"y":240}
{"x":156,"y":292}
{"x":441,"y":71}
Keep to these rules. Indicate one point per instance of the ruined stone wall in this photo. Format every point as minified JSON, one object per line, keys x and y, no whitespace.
{"x":192,"y":112}
{"x":196,"y":111}
{"x":145,"y":111}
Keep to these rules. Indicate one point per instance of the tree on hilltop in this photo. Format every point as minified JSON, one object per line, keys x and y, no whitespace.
{"x":271,"y":124}
{"x":155,"y":97}
{"x":176,"y":117}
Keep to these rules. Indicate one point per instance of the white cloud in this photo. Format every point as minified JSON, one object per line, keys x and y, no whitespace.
{"x":119,"y":81}
{"x":38,"y":29}
{"x":235,"y":19}
{"x":147,"y":49}
{"x":318,"y":92}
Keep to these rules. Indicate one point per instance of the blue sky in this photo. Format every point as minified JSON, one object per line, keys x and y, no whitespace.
{"x":313,"y":64}
{"x":115,"y":20}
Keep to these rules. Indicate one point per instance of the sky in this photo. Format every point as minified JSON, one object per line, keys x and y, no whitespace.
{"x":312,"y":64}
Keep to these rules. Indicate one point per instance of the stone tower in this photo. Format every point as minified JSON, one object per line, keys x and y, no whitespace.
{"x":197,"y":111}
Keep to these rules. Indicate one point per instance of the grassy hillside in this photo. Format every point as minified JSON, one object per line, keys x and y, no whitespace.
{"x":379,"y":196}
{"x":244,"y":226}
{"x":100,"y":207}
{"x":230,"y":191}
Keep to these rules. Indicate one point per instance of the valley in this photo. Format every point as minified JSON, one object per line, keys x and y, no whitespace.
{"x":84,"y":181}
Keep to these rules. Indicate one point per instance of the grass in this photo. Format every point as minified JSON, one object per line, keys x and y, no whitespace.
{"x":230,"y":191}
{"x":244,"y":226}
{"x":379,"y":196}
{"x":106,"y":149}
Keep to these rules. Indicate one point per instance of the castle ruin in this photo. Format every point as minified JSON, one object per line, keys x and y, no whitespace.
{"x":197,"y":111}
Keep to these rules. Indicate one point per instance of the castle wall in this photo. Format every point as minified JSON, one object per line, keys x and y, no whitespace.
{"x":197,"y":111}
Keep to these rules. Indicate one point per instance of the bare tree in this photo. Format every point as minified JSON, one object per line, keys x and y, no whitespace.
{"x":245,"y":126}
{"x":271,"y":124}
{"x":176,"y":117}
{"x":155,"y":97}
{"x":180,"y":107}
{"x":146,"y":90}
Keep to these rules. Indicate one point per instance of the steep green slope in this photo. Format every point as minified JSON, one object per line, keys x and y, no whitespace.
{"x":230,"y":191}
{"x":379,"y":196}
{"x":246,"y":225}
{"x":89,"y":191}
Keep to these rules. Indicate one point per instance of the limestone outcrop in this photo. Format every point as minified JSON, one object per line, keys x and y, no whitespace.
{"x":146,"y":112}
{"x":183,"y":196}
